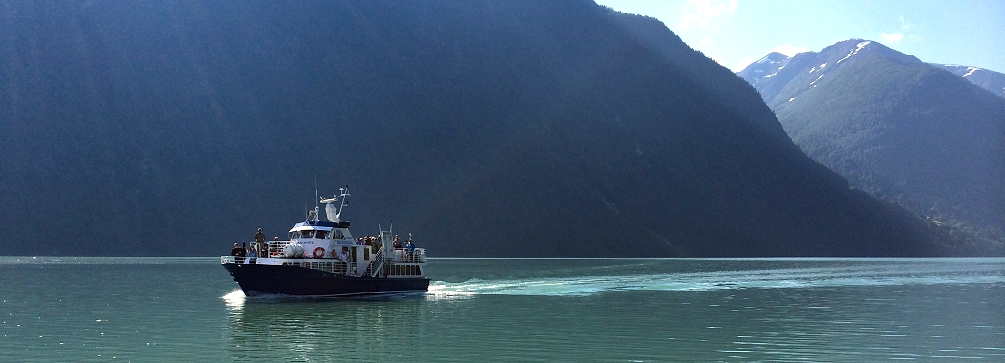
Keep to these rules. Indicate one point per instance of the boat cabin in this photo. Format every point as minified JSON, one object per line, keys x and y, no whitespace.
{"x":320,"y":230}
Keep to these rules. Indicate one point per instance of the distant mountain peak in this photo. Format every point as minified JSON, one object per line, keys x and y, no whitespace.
{"x":808,"y":69}
{"x":773,"y":58}
{"x":896,"y":126}
{"x":766,"y":67}
{"x":849,"y":49}
{"x":858,"y":48}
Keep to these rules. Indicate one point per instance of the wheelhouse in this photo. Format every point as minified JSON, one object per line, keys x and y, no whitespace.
{"x":320,"y":230}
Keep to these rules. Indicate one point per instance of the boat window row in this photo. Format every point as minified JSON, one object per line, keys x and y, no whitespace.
{"x":319,"y":234}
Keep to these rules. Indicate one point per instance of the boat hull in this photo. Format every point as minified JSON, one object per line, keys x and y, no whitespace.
{"x":257,"y":280}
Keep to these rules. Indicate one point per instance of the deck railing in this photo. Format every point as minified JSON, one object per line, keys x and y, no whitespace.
{"x":403,"y":260}
{"x":402,"y":255}
{"x":275,"y":248}
{"x":240,"y":260}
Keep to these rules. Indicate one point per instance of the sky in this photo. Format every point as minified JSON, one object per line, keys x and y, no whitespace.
{"x":736,"y":33}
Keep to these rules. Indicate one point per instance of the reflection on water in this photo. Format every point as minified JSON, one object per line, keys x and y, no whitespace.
{"x":647,"y":311}
{"x":607,"y":310}
{"x":282,"y":328}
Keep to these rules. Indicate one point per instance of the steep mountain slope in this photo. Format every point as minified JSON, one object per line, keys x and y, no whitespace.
{"x":895,"y":126}
{"x":986,"y":79}
{"x":728,"y":90}
{"x":487,"y":128}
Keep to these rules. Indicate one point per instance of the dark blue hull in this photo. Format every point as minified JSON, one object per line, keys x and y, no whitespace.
{"x":258,"y":280}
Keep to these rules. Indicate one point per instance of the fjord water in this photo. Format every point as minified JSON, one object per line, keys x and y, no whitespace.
{"x":545,"y":310}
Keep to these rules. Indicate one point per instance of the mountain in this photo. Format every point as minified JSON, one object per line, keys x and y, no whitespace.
{"x":894,"y":126}
{"x":486,"y":128}
{"x":986,"y":79}
{"x":759,"y":73}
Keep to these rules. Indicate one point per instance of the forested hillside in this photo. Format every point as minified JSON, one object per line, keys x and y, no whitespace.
{"x":486,"y":128}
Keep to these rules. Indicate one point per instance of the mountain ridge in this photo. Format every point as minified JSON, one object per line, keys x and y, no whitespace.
{"x":985,"y":78}
{"x":490,"y":129}
{"x":895,"y":126}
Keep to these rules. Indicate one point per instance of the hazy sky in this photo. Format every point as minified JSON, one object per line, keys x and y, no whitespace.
{"x":735,"y":33}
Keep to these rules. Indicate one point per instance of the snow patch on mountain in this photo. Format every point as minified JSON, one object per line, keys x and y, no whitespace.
{"x":857,"y":49}
{"x":815,"y":81}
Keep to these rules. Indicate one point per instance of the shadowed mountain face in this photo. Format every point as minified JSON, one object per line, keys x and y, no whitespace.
{"x":894,"y":126}
{"x":486,"y":128}
{"x":989,"y":80}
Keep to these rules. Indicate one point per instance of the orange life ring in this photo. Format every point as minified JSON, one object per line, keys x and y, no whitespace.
{"x":319,"y":252}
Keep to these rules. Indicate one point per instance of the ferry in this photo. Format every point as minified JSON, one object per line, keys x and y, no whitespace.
{"x":322,"y":259}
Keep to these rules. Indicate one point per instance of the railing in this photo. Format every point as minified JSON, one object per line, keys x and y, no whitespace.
{"x":373,"y":268}
{"x":336,"y":267}
{"x":403,"y":256}
{"x":236,"y":259}
{"x":275,"y":248}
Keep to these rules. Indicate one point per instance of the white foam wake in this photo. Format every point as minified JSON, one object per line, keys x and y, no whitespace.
{"x":867,"y":275}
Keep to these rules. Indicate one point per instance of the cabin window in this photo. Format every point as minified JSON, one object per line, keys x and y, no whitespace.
{"x":339,"y":235}
{"x":306,"y":234}
{"x":321,"y":234}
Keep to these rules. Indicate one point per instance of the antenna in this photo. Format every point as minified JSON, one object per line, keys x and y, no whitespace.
{"x":331,"y":211}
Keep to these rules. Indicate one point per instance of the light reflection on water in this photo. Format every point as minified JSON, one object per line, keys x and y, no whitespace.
{"x":359,"y":329}
{"x":518,"y":310}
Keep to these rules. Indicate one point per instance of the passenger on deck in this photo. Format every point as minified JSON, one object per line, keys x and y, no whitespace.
{"x":410,"y":246}
{"x":343,"y":255}
{"x":252,"y":254}
{"x":397,"y":242}
{"x":237,"y":251}
{"x":260,"y":240}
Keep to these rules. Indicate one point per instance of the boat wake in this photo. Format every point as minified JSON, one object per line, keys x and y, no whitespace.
{"x":234,"y":299}
{"x":867,"y":275}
